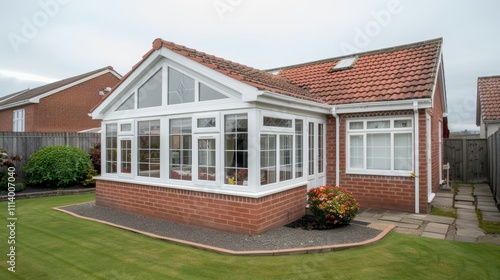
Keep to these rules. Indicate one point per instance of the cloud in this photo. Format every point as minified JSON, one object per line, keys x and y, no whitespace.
{"x":25,"y":76}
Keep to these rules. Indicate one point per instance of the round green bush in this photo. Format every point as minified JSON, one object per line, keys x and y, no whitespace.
{"x":332,"y":206}
{"x":58,"y":165}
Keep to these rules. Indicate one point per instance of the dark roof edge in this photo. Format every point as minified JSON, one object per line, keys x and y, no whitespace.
{"x":488,"y":77}
{"x":372,"y":52}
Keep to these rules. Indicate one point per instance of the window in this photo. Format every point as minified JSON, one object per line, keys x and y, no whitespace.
{"x":277,"y":122}
{"x":111,"y":147}
{"x":236,"y":149}
{"x":149,"y":94}
{"x":208,"y":93}
{"x":380,"y":146}
{"x":320,"y":148}
{"x":299,"y":146}
{"x":18,"y":121}
{"x":345,"y":63}
{"x":127,"y":104}
{"x":180,"y":87}
{"x":207,"y":159}
{"x":181,"y":149}
{"x":148,"y":148}
{"x":286,"y":146}
{"x":206,"y":123}
{"x":267,"y":159}
{"x":126,"y":156}
{"x":311,"y":148}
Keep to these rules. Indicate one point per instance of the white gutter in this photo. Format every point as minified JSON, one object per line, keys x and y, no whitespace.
{"x":337,"y":146}
{"x":18,"y":103}
{"x":423,"y":103}
{"x":417,"y":169}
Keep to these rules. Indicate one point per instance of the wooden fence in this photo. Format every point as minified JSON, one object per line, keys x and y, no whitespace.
{"x":468,"y":159}
{"x":26,"y":143}
{"x":494,"y":164}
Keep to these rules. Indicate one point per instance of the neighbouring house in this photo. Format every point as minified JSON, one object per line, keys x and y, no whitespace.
{"x":62,"y":106}
{"x":197,"y":139}
{"x":488,"y":105}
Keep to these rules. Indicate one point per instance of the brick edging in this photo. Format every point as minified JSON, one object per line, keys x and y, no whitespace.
{"x":292,"y":251}
{"x":5,"y":197}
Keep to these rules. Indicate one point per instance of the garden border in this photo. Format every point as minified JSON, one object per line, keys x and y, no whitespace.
{"x":4,"y":197}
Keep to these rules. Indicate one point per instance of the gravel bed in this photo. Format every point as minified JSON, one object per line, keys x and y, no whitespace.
{"x":280,"y":238}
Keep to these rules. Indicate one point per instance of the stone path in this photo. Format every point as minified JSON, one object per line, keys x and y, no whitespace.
{"x":464,"y":228}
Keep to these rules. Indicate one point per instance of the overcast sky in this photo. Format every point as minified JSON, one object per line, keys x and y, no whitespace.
{"x":47,"y":40}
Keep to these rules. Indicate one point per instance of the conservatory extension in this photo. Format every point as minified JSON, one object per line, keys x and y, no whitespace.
{"x":196,"y":139}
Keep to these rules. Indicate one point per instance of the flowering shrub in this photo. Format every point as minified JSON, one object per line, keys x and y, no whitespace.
{"x":7,"y":162}
{"x":332,"y":206}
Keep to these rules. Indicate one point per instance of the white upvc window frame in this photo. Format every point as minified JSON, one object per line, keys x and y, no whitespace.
{"x":392,"y":131}
{"x":18,"y":120}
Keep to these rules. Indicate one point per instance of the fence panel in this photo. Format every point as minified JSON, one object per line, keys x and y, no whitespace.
{"x":494,"y":161}
{"x":468,"y":159}
{"x":26,"y":143}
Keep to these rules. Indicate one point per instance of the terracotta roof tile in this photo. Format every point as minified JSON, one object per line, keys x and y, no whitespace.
{"x":251,"y":76}
{"x":404,"y":72}
{"x":488,"y":89}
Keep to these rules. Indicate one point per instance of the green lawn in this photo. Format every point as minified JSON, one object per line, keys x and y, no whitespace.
{"x":54,"y":245}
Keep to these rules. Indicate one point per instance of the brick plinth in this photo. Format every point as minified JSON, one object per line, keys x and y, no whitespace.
{"x":202,"y":209}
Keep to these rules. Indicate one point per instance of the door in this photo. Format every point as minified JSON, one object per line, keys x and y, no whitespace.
{"x":316,"y":154}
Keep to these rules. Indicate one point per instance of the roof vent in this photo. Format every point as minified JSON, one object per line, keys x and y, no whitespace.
{"x":345,"y":63}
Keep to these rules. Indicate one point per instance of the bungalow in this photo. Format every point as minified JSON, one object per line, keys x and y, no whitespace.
{"x":197,"y":139}
{"x":62,"y":106}
{"x":488,"y":105}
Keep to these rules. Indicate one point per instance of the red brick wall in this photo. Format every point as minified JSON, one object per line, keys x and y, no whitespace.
{"x":65,"y":111}
{"x":386,"y":192}
{"x":208,"y":210}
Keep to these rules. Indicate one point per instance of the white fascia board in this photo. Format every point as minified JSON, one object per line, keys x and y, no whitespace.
{"x":292,"y":102}
{"x":98,"y":112}
{"x":37,"y":98}
{"x":18,"y":103}
{"x":382,"y":106}
{"x":440,"y":72}
{"x":249,"y":93}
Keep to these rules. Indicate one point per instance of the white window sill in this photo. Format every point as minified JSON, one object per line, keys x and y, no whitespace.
{"x":380,"y":173}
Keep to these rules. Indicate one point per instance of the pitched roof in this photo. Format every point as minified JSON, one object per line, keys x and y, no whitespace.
{"x":399,"y":73}
{"x":28,"y":94}
{"x":488,"y":90}
{"x":260,"y":79}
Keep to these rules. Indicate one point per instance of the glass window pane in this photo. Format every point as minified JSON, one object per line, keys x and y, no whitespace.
{"x":180,"y":87}
{"x":181,"y":149}
{"x":277,"y":122}
{"x":206,"y":122}
{"x":206,"y":159}
{"x":356,"y":159}
{"x":311,"y":148}
{"x":267,"y":159}
{"x":299,"y":142}
{"x":111,"y":148}
{"x":236,"y":149}
{"x":320,"y":148}
{"x":127,"y":104}
{"x":126,"y":127}
{"x":286,"y":157}
{"x":403,"y":147}
{"x":402,"y":123}
{"x":126,"y":156}
{"x":149,"y":94}
{"x":356,"y":125}
{"x":378,"y":124}
{"x":208,"y":93}
{"x":148,"y":162}
{"x":378,"y":151}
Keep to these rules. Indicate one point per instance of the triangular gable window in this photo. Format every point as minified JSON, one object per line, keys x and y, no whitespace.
{"x":149,"y":94}
{"x":208,"y":93}
{"x":127,"y":104}
{"x":180,"y":87}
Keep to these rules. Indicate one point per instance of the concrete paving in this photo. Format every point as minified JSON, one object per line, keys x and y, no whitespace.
{"x":465,"y":228}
